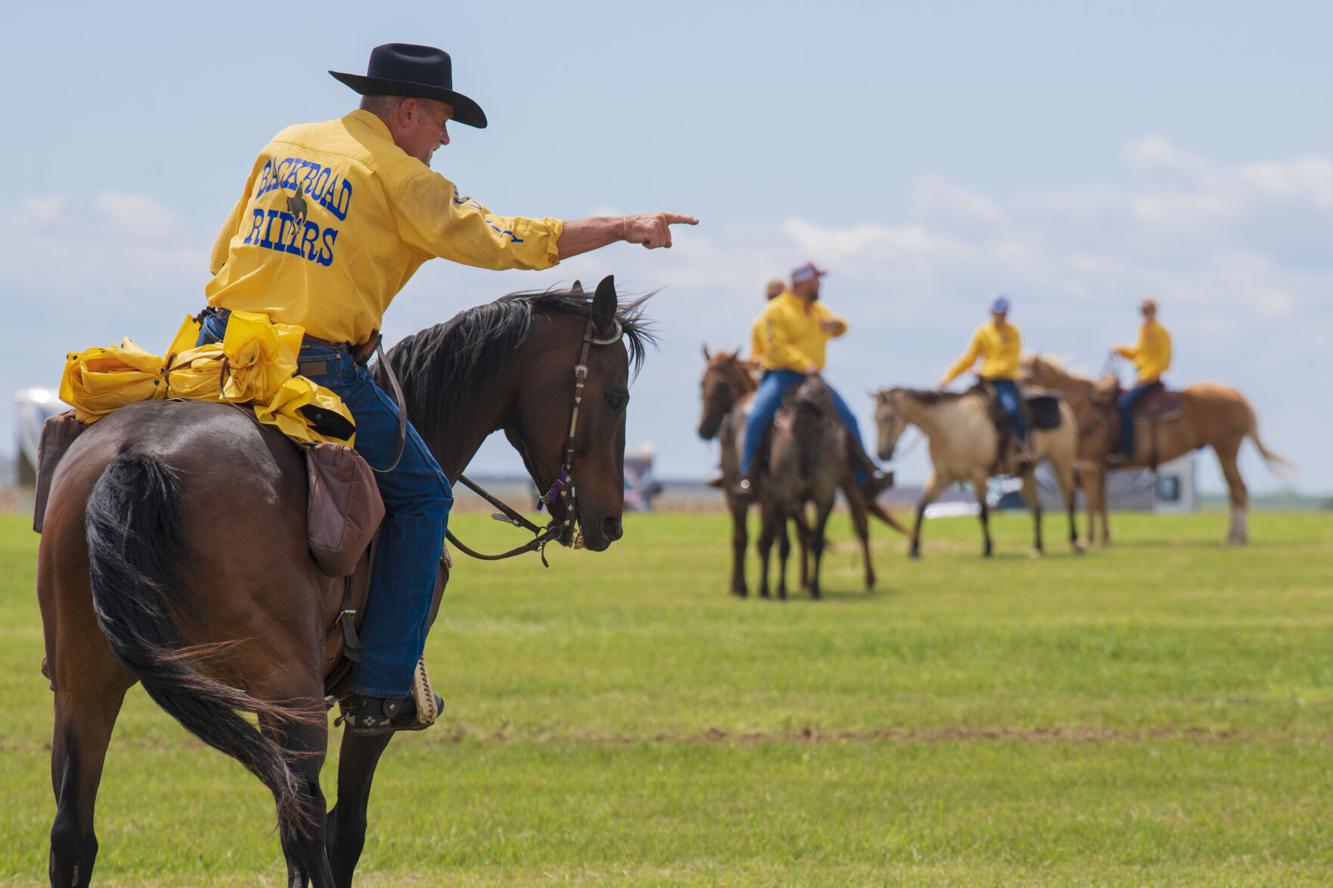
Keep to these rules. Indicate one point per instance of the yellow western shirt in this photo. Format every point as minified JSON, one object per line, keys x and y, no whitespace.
{"x":791,"y":336}
{"x":998,"y":347}
{"x":1152,"y":354}
{"x":336,"y":218}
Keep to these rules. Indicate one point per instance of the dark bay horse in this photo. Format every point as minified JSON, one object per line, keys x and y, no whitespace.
{"x":174,"y":554}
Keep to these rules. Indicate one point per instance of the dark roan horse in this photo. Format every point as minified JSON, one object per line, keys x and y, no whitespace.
{"x":174,"y":554}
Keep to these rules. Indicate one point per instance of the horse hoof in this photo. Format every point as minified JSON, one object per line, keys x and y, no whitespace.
{"x":763,"y":593}
{"x":914,"y":554}
{"x":1035,"y":553}
{"x":1077,"y":548}
{"x":742,"y":592}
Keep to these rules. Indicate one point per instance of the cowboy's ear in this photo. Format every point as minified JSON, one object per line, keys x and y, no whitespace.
{"x":604,"y":305}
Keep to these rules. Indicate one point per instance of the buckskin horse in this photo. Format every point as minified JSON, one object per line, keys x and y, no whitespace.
{"x":1210,"y":415}
{"x":964,"y":443}
{"x":174,"y":554}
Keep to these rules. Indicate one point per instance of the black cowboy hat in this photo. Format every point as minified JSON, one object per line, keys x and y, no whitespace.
{"x":418,"y":72}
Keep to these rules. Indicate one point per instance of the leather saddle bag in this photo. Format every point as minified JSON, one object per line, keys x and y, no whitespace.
{"x":58,"y":433}
{"x":343,"y":509}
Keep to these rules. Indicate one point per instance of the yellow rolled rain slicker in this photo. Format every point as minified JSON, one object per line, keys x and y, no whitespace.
{"x":99,"y":380}
{"x":255,"y":364}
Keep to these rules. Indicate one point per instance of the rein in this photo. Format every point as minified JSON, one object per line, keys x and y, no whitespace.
{"x":562,"y":490}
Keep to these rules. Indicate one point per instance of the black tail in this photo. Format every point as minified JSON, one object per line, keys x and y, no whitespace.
{"x":132,"y":533}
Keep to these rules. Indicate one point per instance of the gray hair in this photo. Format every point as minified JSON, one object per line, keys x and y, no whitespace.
{"x":381,"y":106}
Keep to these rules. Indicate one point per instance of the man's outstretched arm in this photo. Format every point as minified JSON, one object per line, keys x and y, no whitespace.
{"x":650,"y":229}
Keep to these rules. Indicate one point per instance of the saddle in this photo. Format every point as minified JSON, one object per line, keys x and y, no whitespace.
{"x":343,"y":514}
{"x":1040,"y":408}
{"x":1160,"y":404}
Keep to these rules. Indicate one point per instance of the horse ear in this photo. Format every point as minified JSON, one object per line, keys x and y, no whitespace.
{"x":604,"y":305}
{"x":707,"y":356}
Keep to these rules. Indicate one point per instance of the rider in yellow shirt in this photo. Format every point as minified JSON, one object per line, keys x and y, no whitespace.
{"x":1152,"y":357}
{"x":793,"y":330}
{"x":334,"y":219}
{"x":999,"y":345}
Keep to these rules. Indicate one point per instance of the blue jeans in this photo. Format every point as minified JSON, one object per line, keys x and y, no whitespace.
{"x":1127,"y":402}
{"x":1007,"y":391}
{"x":768,"y":399}
{"x":417,"y":499}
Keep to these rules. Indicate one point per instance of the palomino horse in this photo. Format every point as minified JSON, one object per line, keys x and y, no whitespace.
{"x":1211,"y":415}
{"x":179,"y":529}
{"x":963,"y":443}
{"x":807,"y":460}
{"x":726,"y":390}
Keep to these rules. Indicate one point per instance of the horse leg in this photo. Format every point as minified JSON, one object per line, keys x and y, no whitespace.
{"x":766,"y":531}
{"x":88,"y":699}
{"x":934,"y":484}
{"x":1104,"y":506}
{"x":739,"y":540}
{"x":784,"y":549}
{"x":359,"y":758}
{"x":89,"y":683}
{"x":1034,"y":506}
{"x":979,"y":486}
{"x":1064,"y":476}
{"x":306,"y":743}
{"x":861,"y":526}
{"x":823,"y":510}
{"x":1239,"y":497}
{"x":1095,"y":491}
{"x":803,"y":543}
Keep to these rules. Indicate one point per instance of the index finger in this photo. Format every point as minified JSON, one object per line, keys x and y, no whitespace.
{"x":678,"y":219}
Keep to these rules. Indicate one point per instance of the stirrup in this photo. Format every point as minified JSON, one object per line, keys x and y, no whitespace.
{"x":371,"y":716}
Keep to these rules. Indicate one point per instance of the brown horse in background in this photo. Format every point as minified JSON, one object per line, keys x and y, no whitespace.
{"x":726,"y":390}
{"x":1212,"y":415}
{"x":174,"y":553}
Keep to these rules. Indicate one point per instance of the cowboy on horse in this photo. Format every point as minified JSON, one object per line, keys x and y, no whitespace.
{"x":334,"y":219}
{"x":1152,"y":357}
{"x":794,"y":329}
{"x":998,"y":344}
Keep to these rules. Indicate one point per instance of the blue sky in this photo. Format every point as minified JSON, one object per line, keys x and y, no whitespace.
{"x":1076,"y":156}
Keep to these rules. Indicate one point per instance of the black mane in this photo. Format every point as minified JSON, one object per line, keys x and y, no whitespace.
{"x":931,"y":396}
{"x":442,"y":366}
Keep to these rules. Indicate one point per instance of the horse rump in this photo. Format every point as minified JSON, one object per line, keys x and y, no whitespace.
{"x":131,"y":526}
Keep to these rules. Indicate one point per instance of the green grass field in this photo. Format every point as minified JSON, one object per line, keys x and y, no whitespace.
{"x":1157,"y":713}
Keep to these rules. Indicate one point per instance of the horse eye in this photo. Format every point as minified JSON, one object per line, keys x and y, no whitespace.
{"x":616,"y":400}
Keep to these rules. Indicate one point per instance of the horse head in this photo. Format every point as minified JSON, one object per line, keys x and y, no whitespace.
{"x":726,"y":377}
{"x":578,"y":384}
{"x":552,"y":370}
{"x":889,"y":421}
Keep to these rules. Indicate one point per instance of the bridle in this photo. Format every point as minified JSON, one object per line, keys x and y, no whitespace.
{"x":563,"y":490}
